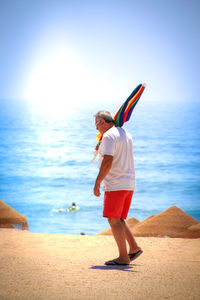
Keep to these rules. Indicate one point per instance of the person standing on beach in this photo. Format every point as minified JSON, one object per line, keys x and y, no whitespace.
{"x":116,"y":171}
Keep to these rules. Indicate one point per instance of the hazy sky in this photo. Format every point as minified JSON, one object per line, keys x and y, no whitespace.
{"x":99,"y":49}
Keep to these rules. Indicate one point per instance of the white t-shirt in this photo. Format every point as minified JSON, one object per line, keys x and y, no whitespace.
{"x":118,"y":143}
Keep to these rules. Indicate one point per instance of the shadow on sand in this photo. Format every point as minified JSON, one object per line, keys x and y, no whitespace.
{"x":127,"y":268}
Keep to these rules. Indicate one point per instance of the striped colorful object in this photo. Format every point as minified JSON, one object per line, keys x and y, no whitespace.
{"x":125,"y":111}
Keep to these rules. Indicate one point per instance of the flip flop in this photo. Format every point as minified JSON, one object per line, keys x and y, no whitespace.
{"x":133,"y":256}
{"x":114,"y":263}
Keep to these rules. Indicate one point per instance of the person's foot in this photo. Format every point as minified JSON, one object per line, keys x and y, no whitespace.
{"x":118,"y":261}
{"x":134,"y":250}
{"x":133,"y":256}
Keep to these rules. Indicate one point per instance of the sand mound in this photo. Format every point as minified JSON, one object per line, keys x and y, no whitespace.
{"x":193,"y":232}
{"x":10,"y":218}
{"x":172,"y":222}
{"x":131,"y":222}
{"x":6,"y":225}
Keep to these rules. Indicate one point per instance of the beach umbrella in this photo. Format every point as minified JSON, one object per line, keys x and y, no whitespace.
{"x":10,"y":218}
{"x":125,"y":111}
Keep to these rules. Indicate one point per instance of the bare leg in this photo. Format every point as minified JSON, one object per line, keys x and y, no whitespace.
{"x":118,"y":230}
{"x":130,"y":238}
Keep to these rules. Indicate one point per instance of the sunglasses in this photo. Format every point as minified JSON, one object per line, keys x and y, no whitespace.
{"x":98,"y":122}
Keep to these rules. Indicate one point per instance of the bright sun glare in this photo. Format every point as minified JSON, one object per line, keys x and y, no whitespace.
{"x":58,"y":83}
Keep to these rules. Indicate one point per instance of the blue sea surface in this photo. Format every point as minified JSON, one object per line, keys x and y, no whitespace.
{"x":45,"y":163}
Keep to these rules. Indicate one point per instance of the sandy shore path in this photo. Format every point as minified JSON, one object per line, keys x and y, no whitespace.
{"x":56,"y":266}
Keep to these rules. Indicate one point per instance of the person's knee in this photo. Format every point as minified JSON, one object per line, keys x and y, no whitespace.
{"x":113,"y":221}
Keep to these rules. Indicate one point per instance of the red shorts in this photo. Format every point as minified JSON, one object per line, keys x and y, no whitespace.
{"x":117,"y":204}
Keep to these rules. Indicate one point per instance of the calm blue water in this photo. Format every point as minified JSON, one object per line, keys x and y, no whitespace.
{"x":45,"y":163}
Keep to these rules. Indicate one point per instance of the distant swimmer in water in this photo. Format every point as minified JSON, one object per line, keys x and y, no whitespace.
{"x":73,"y":207}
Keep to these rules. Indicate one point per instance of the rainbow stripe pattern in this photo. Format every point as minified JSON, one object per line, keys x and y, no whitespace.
{"x":125,"y":111}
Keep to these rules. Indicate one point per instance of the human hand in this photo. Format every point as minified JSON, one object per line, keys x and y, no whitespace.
{"x":97,"y":189}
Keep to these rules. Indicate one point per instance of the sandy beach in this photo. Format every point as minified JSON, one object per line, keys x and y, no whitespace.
{"x":56,"y":266}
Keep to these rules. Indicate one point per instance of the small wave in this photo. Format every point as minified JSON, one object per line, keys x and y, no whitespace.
{"x":64,"y":210}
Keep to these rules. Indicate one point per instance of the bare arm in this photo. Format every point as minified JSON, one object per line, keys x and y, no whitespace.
{"x":104,"y":169}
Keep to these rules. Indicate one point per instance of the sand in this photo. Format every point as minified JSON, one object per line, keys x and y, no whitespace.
{"x":173,"y":222}
{"x":57,"y":266}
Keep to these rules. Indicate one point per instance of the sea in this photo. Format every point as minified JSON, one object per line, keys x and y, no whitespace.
{"x":45,"y":162}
